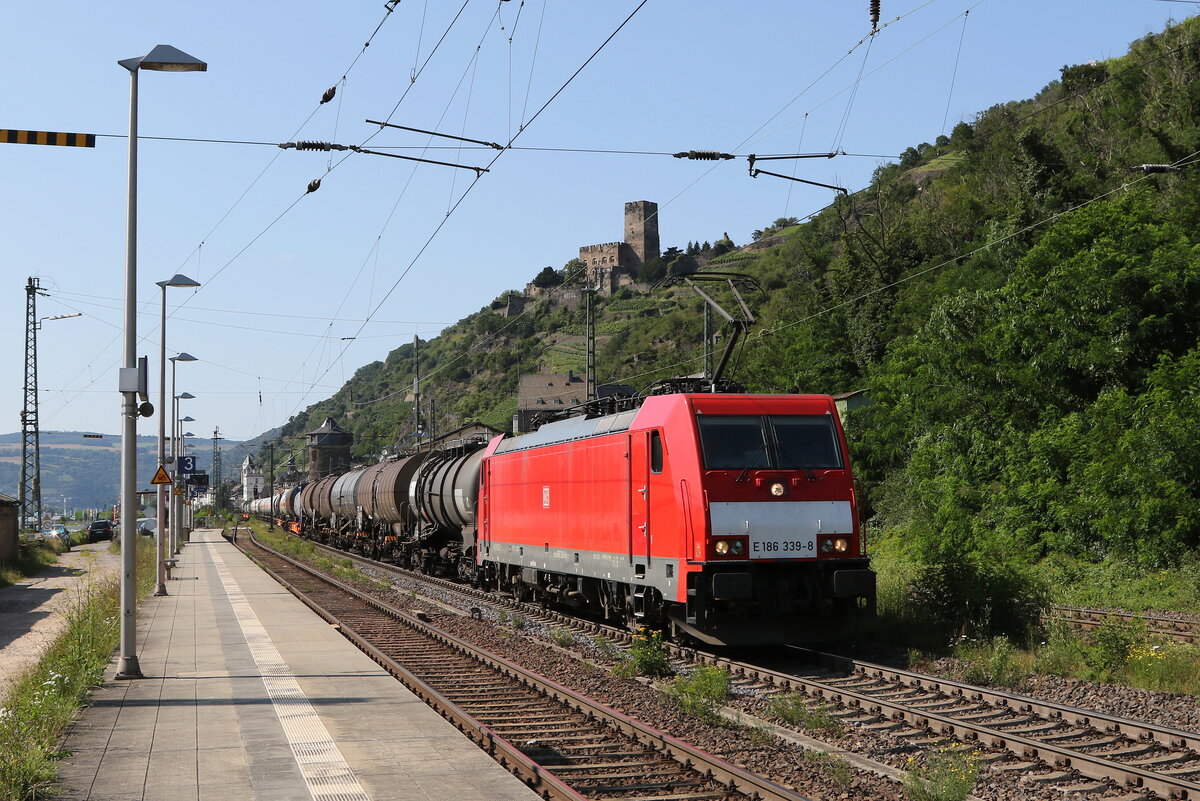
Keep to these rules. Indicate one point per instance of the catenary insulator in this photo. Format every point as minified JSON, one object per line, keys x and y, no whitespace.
{"x":1149,"y":168}
{"x":329,"y":93}
{"x":703,"y":155}
{"x":302,"y":145}
{"x":874,"y":14}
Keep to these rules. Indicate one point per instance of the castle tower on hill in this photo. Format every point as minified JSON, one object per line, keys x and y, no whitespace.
{"x":641,"y":229}
{"x":613,"y":265}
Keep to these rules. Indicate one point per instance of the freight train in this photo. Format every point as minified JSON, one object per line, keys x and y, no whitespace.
{"x":728,"y":519}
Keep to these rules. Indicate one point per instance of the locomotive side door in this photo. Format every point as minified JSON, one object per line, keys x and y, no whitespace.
{"x":639,"y":499}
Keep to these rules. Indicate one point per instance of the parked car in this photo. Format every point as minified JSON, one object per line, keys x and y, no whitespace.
{"x":58,"y":531}
{"x":100,"y":530}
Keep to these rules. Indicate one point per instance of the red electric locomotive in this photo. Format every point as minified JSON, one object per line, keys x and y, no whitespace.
{"x":729,"y":518}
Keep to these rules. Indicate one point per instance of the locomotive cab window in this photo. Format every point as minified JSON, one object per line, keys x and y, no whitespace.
{"x":779,"y":442}
{"x":806,"y":441}
{"x":656,"y":452}
{"x":732,"y":442}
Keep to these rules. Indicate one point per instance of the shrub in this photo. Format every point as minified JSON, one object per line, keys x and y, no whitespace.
{"x":1111,"y":644}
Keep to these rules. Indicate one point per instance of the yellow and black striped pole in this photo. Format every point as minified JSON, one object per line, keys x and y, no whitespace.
{"x":47,"y":138}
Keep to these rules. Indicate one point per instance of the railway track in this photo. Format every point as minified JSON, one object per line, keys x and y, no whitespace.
{"x":1068,"y":748}
{"x":562,"y":744}
{"x":1087,"y":619}
{"x":1077,"y":749}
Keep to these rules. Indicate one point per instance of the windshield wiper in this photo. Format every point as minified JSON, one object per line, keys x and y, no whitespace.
{"x":750,"y":465}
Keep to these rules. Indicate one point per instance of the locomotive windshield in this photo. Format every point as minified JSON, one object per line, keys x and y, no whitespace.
{"x":779,"y":442}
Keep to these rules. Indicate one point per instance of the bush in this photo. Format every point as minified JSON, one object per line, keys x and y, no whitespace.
{"x":959,"y":598}
{"x":1111,"y":645}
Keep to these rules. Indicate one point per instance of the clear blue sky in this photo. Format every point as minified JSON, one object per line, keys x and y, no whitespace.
{"x":287,"y":276}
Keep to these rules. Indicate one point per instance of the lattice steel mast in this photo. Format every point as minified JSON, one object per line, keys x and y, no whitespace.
{"x":218,"y":495}
{"x":31,"y":451}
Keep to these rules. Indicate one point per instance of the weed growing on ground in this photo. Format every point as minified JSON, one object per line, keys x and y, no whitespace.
{"x":502,"y":615}
{"x":647,"y":656}
{"x":759,"y":736}
{"x":793,"y":709}
{"x":993,"y":664}
{"x":606,"y":647}
{"x":1165,"y":665}
{"x":1061,"y":653}
{"x":31,"y":560}
{"x":945,"y":775}
{"x":701,"y":693}
{"x":1112,"y":642}
{"x":563,"y":638}
{"x":835,"y":767}
{"x":518,"y":622}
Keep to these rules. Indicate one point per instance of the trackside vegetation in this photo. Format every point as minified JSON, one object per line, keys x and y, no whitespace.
{"x":39,"y":705}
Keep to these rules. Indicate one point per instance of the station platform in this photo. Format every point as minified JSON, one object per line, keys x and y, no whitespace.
{"x":250,"y":695}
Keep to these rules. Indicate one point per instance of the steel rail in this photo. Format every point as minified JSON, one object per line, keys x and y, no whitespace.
{"x":734,"y":778}
{"x":1094,"y":766}
{"x":1182,"y":630}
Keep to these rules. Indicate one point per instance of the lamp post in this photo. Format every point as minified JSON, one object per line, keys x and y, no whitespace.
{"x":161,"y":506}
{"x":162,"y":58}
{"x":173,"y":542}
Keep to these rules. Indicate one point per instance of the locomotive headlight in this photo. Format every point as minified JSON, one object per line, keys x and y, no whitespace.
{"x":777,"y":489}
{"x":832,"y":544}
{"x":722,"y":547}
{"x":737,"y":548}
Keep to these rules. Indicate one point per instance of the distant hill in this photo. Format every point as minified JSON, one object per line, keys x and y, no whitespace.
{"x":88,"y":471}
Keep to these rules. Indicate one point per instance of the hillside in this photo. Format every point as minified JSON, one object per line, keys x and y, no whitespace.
{"x":87,"y":472}
{"x":1018,"y":297}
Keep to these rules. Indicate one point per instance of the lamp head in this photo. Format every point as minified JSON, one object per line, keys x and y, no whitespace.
{"x":184,"y":357}
{"x":178,"y":279}
{"x":165,"y":58}
{"x":185,"y":396}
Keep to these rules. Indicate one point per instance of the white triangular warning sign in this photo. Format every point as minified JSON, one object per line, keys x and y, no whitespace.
{"x":161,"y":477}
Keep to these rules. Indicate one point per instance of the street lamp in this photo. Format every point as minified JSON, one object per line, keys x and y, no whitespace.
{"x":182,"y":357}
{"x":162,"y":58}
{"x":160,"y":556}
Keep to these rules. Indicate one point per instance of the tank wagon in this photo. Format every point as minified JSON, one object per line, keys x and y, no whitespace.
{"x":726,"y":518}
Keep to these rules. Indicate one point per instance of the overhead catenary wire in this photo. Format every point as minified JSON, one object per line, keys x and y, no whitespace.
{"x":478,"y":177}
{"x":954,"y":73}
